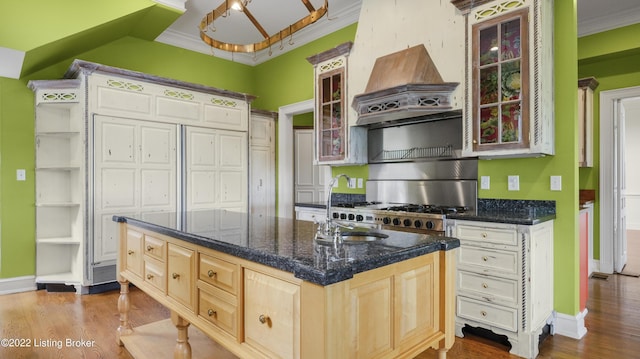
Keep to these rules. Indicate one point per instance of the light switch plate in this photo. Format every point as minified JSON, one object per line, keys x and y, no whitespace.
{"x":514,"y":183}
{"x":360,"y":183}
{"x":556,"y":183}
{"x":485,"y":182}
{"x":352,"y":183}
{"x":21,"y":175}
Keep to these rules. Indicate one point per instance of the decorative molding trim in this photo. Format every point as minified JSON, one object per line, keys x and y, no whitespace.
{"x":17,"y":284}
{"x":348,"y":15}
{"x":608,"y":22}
{"x":175,"y":4}
{"x":571,"y":326}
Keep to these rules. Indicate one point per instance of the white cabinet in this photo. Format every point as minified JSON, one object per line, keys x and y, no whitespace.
{"x":112,"y":141}
{"x":336,"y":141}
{"x":262,"y":173}
{"x":508,"y":109}
{"x":505,"y":280}
{"x":60,"y":171}
{"x":311,"y":214}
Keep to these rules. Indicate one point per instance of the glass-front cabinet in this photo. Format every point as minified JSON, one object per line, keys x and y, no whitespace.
{"x":336,"y":142}
{"x":509,"y":104}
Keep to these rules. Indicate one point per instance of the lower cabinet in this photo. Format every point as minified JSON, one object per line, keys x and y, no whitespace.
{"x":505,"y":280}
{"x":254,"y":311}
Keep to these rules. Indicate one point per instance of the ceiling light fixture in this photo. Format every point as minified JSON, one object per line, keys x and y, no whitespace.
{"x":207,"y":26}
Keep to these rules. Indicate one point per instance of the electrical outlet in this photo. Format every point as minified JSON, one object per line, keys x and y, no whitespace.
{"x":360,"y":183}
{"x":485,"y":182}
{"x":21,"y":175}
{"x":352,"y":183}
{"x":514,"y":183}
{"x":556,"y":183}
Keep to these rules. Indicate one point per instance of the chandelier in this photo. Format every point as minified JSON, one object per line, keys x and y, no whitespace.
{"x":224,"y":10}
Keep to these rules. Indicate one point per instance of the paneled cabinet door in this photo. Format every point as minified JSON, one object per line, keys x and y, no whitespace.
{"x":272,"y":315}
{"x":181,"y":274}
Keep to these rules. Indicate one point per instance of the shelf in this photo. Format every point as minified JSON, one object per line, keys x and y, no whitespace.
{"x":58,"y":240}
{"x":58,"y":133}
{"x":58,"y":204}
{"x":63,"y":277}
{"x":58,"y":167}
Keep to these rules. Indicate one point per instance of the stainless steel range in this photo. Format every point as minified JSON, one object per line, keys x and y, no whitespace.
{"x":416,"y":178}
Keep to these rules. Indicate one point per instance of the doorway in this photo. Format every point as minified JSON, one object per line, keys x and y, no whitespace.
{"x":616,"y":107}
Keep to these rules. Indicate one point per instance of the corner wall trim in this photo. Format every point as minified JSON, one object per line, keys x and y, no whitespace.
{"x":571,"y":326}
{"x":17,"y":284}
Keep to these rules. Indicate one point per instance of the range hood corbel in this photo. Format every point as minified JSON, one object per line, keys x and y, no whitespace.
{"x":403,"y":85}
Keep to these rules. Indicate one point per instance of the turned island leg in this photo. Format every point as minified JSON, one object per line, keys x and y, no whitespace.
{"x":442,"y":353}
{"x":183,"y":348}
{"x":124,"y":305}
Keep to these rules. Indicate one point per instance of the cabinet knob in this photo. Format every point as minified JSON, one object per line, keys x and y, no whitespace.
{"x":149,"y":276}
{"x":484,"y":235}
{"x":175,"y":275}
{"x":149,"y":248}
{"x":211,"y":273}
{"x":211,"y":312}
{"x":130,"y":252}
{"x":483,"y":313}
{"x":475,"y":142}
{"x":485,"y":285}
{"x":485,"y":258}
{"x":264,"y":319}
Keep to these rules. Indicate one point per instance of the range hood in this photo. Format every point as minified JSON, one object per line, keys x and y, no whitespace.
{"x":403,"y":85}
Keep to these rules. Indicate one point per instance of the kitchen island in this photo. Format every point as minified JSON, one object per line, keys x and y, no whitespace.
{"x":278,"y":292}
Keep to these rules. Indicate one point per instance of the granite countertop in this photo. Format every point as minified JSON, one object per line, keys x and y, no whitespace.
{"x":524,"y":212}
{"x":322,"y":205}
{"x":290,"y":245}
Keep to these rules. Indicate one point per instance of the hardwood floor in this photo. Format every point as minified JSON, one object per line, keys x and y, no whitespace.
{"x":613,"y":323}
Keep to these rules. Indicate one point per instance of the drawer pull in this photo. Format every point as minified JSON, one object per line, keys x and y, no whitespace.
{"x":149,"y":276}
{"x":149,"y":248}
{"x":484,"y":235}
{"x":483,"y":313}
{"x":212,"y":312}
{"x":211,"y":273}
{"x":264,"y":319}
{"x":130,"y":252}
{"x":175,"y":275}
{"x":485,"y":258}
{"x":485,"y":285}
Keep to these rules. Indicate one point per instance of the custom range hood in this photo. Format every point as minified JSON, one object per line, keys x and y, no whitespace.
{"x":403,"y":85}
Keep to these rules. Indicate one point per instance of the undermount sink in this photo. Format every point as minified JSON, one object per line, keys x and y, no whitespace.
{"x":362,"y":236}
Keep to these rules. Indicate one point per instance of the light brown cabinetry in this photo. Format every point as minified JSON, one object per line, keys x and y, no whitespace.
{"x":509,"y":107}
{"x":255,"y":311}
{"x":586,"y":87}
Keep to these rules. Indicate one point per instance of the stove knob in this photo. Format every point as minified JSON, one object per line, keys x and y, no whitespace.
{"x":386,"y":220}
{"x":396,"y":222}
{"x":407,"y":222}
{"x":343,"y":216}
{"x":417,"y":223}
{"x":336,"y":215}
{"x":429,"y":225}
{"x":351,"y":216}
{"x":359,"y":218}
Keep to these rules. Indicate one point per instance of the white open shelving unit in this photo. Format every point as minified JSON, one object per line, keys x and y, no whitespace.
{"x":59,"y":177}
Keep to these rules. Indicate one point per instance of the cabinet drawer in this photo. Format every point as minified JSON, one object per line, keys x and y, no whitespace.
{"x":219,"y":273}
{"x":154,"y":273}
{"x":154,"y":247}
{"x":133,"y":259}
{"x":490,"y":289}
{"x":217,"y":310}
{"x":489,"y":314}
{"x":481,"y":234}
{"x":488,"y":260}
{"x":180,"y":272}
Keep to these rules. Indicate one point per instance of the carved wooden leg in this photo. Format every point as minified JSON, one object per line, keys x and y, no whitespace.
{"x":124,"y":305}
{"x":442,"y":353}
{"x":183,"y":348}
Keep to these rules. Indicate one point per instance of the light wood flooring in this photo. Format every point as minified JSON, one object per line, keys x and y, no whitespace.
{"x":613,"y":324}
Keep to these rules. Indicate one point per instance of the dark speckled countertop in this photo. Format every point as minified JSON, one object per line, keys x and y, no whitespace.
{"x":290,"y":246}
{"x":525,"y":212}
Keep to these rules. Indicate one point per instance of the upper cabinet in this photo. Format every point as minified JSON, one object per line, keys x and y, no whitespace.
{"x":586,"y":87}
{"x":508,"y":110}
{"x":336,"y":143}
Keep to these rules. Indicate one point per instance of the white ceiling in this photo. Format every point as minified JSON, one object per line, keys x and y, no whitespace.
{"x":274,"y":15}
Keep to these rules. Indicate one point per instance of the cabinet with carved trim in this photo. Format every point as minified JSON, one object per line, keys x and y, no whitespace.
{"x":336,"y":142}
{"x":508,"y":110}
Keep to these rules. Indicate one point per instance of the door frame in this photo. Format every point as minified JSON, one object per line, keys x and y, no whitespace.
{"x":285,"y":154}
{"x":609,"y":117}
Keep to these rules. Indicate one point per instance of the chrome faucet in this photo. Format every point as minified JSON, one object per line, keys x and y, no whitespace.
{"x":330,"y":229}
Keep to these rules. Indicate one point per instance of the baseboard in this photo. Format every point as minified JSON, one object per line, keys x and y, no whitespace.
{"x":571,"y":326}
{"x":17,"y":284}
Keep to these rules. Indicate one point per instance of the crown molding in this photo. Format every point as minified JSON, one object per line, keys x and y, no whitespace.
{"x":175,"y":4}
{"x":609,"y":22}
{"x":324,"y":26}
